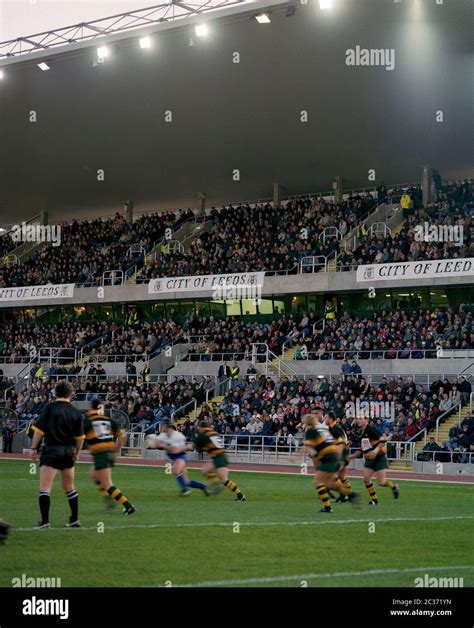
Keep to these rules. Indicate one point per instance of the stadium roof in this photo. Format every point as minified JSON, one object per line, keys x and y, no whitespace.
{"x":91,"y":30}
{"x":59,"y":128}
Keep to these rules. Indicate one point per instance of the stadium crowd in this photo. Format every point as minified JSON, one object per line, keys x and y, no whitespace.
{"x":256,"y":405}
{"x":250,"y":239}
{"x":385,"y":334}
{"x":454,"y":209}
{"x":261,"y":406}
{"x":243,"y":238}
{"x":388,"y":335}
{"x":90,"y":247}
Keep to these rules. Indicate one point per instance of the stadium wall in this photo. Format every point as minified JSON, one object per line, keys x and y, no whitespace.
{"x":288,"y":284}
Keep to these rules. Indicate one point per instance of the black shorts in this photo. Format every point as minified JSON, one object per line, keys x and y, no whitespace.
{"x":59,"y":457}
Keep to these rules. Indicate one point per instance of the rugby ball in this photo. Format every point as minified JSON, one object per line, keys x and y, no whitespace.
{"x":152,"y":441}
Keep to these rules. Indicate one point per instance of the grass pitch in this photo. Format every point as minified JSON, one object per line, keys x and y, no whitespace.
{"x":276,"y":538}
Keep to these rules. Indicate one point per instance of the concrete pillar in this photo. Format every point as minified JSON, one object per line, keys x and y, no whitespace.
{"x":202,"y":203}
{"x":337,"y":189}
{"x":276,"y":195}
{"x":128,"y":209}
{"x":426,"y":185}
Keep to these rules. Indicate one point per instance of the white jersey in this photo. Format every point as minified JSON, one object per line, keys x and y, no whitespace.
{"x":173,"y":439}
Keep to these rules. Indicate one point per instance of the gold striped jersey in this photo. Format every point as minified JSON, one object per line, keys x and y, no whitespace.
{"x":370,"y":438}
{"x":209,"y":441}
{"x":321,"y":442}
{"x":101,"y":432}
{"x":340,"y":437}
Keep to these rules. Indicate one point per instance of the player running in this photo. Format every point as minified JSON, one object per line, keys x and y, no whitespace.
{"x":105,"y":437}
{"x":340,"y":438}
{"x":174,"y":443}
{"x":373,"y":446}
{"x":324,"y":452}
{"x":217,"y":469}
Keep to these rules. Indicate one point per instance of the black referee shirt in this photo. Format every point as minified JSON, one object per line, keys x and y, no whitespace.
{"x":60,"y":424}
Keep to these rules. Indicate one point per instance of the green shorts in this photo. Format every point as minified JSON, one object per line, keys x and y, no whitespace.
{"x":329,"y":463}
{"x":377,"y":464}
{"x":220,"y":461}
{"x":104,"y":460}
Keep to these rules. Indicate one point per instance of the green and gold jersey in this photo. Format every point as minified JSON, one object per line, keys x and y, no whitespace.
{"x":320,"y":441}
{"x":210,"y":442}
{"x":340,"y":437}
{"x":371,"y":438}
{"x":101,"y":432}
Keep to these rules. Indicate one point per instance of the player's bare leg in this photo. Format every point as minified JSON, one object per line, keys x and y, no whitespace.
{"x":223,"y":474}
{"x":103,"y":479}
{"x":323,"y":481}
{"x":209,"y":471}
{"x":383,"y":481}
{"x":368,"y":474}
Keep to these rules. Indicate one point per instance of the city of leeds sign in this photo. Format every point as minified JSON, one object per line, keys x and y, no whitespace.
{"x":28,"y":293}
{"x":431,"y":269}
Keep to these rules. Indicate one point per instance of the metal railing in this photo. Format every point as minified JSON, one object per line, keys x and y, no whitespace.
{"x":386,"y":354}
{"x":218,"y":356}
{"x":313,"y":264}
{"x":113,"y":278}
{"x":442,"y":417}
{"x":282,"y":271}
{"x":52,"y":355}
{"x":453,"y":456}
{"x":330,"y":232}
{"x":286,"y":448}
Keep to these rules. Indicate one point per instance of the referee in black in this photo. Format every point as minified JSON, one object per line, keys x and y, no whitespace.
{"x":61,"y":427}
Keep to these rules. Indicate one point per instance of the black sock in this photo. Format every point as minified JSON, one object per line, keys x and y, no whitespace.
{"x":44,"y":503}
{"x":73,"y":499}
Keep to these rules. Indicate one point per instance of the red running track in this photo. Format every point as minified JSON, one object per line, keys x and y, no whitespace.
{"x":275,"y":468}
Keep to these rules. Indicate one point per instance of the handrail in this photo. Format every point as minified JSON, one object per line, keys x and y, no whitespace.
{"x":192,"y":401}
{"x":323,"y":320}
{"x":445,"y":414}
{"x":95,"y":341}
{"x":415,"y":437}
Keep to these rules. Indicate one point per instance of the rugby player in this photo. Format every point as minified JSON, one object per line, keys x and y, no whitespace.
{"x":61,"y":427}
{"x":373,"y":447}
{"x":340,"y":438}
{"x":217,"y":469}
{"x":104,"y":438}
{"x":324,"y":452}
{"x":174,"y":443}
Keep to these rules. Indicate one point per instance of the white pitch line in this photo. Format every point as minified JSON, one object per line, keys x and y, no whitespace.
{"x":313,"y":576}
{"x":263,"y":524}
{"x":263,"y":471}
